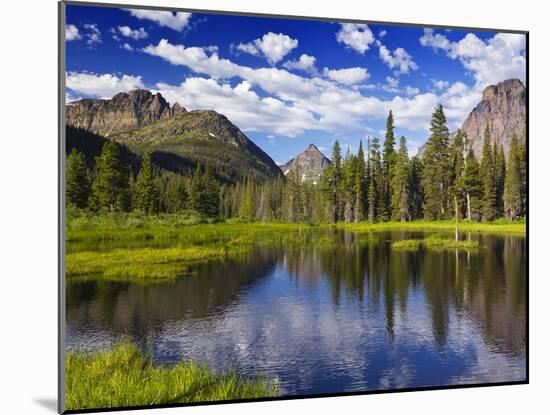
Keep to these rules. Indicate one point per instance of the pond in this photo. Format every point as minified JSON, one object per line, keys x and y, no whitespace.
{"x":354,"y":315}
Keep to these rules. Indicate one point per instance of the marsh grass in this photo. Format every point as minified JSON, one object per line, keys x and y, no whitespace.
{"x":142,"y":263}
{"x":407,"y":244}
{"x":516,"y":227}
{"x":124,"y":377}
{"x":440,"y":242}
{"x":434,"y":242}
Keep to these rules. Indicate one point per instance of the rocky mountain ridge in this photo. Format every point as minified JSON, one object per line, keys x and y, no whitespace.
{"x":309,"y":164}
{"x":503,"y":108}
{"x":177,"y":139}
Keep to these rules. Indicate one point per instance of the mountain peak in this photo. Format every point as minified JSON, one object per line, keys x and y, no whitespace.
{"x":509,"y":86}
{"x":125,"y":111}
{"x":503,"y":108}
{"x":309,"y":164}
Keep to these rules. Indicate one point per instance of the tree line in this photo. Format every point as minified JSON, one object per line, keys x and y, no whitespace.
{"x":379,"y":183}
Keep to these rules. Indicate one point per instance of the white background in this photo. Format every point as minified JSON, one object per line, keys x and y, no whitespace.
{"x":28,"y":203}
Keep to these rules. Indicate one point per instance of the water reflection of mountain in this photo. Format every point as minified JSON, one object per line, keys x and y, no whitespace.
{"x":140,"y":310}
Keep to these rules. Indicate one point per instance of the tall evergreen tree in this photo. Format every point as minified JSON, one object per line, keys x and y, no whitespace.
{"x":500,"y":177}
{"x":512,"y":185}
{"x":437,"y":174}
{"x":472,"y":187}
{"x":400,"y":184}
{"x":523,"y":171}
{"x":211,"y":194}
{"x":332,"y":180}
{"x":360,"y":185}
{"x":111,"y":187}
{"x":388,"y":162}
{"x":204,"y":194}
{"x":77,"y":182}
{"x":374,"y":174}
{"x":147,"y":191}
{"x":347,"y":188}
{"x":487,"y":170}
{"x":415,"y":186}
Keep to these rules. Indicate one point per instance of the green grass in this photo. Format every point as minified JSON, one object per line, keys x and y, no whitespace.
{"x":141,"y":263}
{"x":123,"y":377}
{"x":406,"y":244}
{"x":438,"y":241}
{"x":434,"y":242}
{"x":465,"y":226}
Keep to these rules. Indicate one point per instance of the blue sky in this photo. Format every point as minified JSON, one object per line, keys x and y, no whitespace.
{"x":287,"y":83}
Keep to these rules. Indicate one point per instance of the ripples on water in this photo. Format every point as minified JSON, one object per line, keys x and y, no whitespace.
{"x":353,"y":317}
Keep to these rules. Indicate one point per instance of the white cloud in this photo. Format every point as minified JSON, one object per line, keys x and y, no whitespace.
{"x":355,"y":36}
{"x":249,"y":48}
{"x":434,"y":40}
{"x":198,"y":59}
{"x":304,"y":63}
{"x":399,"y":59}
{"x":241,"y":105}
{"x":176,"y":21}
{"x":439,"y":84}
{"x":136,"y":34}
{"x":490,"y":61}
{"x":382,"y":34}
{"x":101,"y":86}
{"x":71,"y":33}
{"x":409,"y":90}
{"x":93,"y":34}
{"x":327,"y":105}
{"x":347,"y":76}
{"x":128,"y":47}
{"x":272,"y":46}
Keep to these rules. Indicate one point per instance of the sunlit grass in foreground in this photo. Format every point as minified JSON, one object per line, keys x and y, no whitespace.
{"x":124,"y":377}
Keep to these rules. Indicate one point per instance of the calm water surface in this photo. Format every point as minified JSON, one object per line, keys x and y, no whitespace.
{"x":349,"y":317}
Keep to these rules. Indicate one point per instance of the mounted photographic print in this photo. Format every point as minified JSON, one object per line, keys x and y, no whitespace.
{"x":260,"y":207}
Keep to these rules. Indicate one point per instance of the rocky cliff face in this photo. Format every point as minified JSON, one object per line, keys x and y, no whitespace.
{"x":503,"y":107}
{"x":126,"y":111}
{"x":309,"y":164}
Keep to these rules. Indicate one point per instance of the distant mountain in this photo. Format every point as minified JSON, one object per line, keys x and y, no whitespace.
{"x":309,"y":164}
{"x":124,"y":112}
{"x":503,"y":107}
{"x":177,"y":139}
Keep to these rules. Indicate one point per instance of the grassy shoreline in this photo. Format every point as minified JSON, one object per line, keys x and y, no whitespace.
{"x":192,"y":243}
{"x":124,"y":377}
{"x":134,"y":227}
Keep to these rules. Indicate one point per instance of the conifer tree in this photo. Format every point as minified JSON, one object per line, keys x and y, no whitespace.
{"x":437,"y":168}
{"x":211,"y":194}
{"x":347,"y":189}
{"x":147,"y":191}
{"x":332,"y":180}
{"x":512,"y":185}
{"x":415,"y":186}
{"x":375,"y":167}
{"x":111,"y":187}
{"x":77,"y":183}
{"x":388,"y":161}
{"x":500,"y":177}
{"x":523,"y":172}
{"x":360,"y":191}
{"x":487,"y":170}
{"x":400,"y":184}
{"x":472,"y":186}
